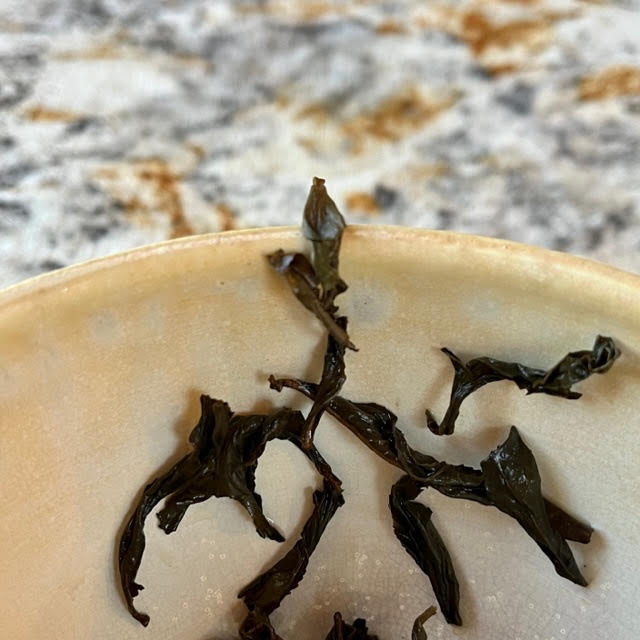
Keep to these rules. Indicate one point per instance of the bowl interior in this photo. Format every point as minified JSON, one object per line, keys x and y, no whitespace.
{"x":101,"y":370}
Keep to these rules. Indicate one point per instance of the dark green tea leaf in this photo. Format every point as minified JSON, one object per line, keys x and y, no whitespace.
{"x":414,"y":528}
{"x":323,"y":225}
{"x":513,"y":486}
{"x":333,"y":377}
{"x":226,"y":449}
{"x":132,"y":542}
{"x":557,"y":381}
{"x":374,"y":425}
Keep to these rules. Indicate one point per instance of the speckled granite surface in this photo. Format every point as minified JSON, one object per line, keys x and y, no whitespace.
{"x":125,"y":123}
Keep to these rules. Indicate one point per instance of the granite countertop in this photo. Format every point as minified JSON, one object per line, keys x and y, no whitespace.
{"x":125,"y":123}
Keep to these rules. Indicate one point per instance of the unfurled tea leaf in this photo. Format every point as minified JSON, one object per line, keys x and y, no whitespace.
{"x":513,"y":486}
{"x":413,"y":527}
{"x":557,"y":381}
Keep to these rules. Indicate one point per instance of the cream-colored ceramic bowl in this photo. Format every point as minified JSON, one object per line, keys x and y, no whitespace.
{"x":101,"y":366}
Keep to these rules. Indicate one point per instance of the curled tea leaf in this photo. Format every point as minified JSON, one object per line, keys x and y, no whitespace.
{"x":132,"y":541}
{"x":226,"y":450}
{"x":302,"y":280}
{"x":265,"y":593}
{"x":557,"y":381}
{"x":324,"y":225}
{"x":374,"y":425}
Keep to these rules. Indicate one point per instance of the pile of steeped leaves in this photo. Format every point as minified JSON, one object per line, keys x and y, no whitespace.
{"x":226,"y":448}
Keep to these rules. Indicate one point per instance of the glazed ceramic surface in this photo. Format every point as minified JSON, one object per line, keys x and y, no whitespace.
{"x":101,"y":366}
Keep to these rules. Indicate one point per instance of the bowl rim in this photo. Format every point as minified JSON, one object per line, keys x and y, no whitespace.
{"x":494,"y":248}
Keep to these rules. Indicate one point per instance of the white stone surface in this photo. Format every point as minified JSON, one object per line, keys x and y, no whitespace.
{"x":127,"y":123}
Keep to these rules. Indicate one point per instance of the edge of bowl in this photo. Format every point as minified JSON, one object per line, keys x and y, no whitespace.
{"x":494,"y":247}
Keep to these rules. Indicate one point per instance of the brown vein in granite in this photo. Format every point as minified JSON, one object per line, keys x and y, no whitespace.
{"x":390,"y":120}
{"x":480,"y":33}
{"x":304,"y":11}
{"x":395,"y":117}
{"x":99,"y":51}
{"x":166,"y":185}
{"x":226,"y":216}
{"x":362,"y":202}
{"x":390,"y":28}
{"x":622,"y":80}
{"x":500,"y":47}
{"x":145,"y":187}
{"x":39,"y":113}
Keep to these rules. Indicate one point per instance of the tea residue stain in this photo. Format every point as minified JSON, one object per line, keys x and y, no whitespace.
{"x":621,"y":80}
